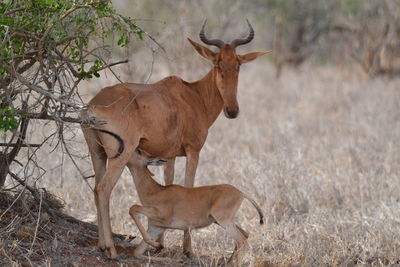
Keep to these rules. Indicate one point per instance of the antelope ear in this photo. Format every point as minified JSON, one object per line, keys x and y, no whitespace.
{"x":251,"y":56}
{"x":203,"y":51}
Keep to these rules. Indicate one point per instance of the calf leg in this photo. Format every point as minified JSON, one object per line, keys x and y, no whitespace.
{"x":150,"y":213}
{"x":224,"y":216}
{"x":153,"y":233}
{"x":187,"y":244}
{"x":240,"y":243}
{"x":244,"y":232}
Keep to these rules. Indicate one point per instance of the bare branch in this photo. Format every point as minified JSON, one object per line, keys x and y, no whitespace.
{"x":23,"y":145}
{"x":12,"y":11}
{"x":42,"y":91}
{"x":44,"y":116}
{"x":113,"y":64}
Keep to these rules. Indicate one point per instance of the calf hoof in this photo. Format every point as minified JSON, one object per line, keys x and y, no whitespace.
{"x":154,"y":244}
{"x":160,"y":248}
{"x":189,"y":254}
{"x":110,"y":252}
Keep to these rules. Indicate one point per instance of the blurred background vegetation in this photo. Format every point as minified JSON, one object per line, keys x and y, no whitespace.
{"x":361,"y":33}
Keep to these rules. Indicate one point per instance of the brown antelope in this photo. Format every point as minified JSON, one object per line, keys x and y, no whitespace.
{"x":167,"y":119}
{"x":178,"y":207}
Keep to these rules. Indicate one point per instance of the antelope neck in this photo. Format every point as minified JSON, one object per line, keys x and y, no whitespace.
{"x":212,"y":99}
{"x":144,"y":183}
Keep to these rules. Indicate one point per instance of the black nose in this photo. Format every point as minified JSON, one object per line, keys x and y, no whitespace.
{"x":231,"y":114}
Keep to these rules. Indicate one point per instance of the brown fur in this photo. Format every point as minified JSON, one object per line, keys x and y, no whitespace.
{"x":167,"y":119}
{"x":179,"y":207}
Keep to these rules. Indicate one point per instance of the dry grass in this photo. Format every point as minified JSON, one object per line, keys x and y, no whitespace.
{"x":319,"y":150}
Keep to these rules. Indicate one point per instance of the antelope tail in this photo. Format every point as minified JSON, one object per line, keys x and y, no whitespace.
{"x":260,"y":213}
{"x":119,"y":139}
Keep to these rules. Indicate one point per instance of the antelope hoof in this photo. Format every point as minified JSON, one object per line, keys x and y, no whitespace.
{"x":101,"y":246}
{"x":110,"y":252}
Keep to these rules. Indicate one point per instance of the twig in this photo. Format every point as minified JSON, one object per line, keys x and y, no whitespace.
{"x":8,"y":13}
{"x":41,"y":116}
{"x":23,"y":145}
{"x":113,"y":64}
{"x":74,"y":162}
{"x":146,"y":33}
{"x":153,"y":39}
{"x":37,"y":224}
{"x":152,"y":66}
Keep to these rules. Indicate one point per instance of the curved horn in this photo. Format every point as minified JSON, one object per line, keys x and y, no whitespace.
{"x":237,"y":42}
{"x":216,"y":42}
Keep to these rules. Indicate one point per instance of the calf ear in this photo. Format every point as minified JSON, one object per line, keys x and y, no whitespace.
{"x":203,"y":51}
{"x":251,"y":56}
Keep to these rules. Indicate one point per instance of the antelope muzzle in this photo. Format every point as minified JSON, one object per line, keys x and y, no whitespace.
{"x":231,"y":113}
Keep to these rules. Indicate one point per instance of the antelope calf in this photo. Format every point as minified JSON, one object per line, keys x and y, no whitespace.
{"x":178,"y":207}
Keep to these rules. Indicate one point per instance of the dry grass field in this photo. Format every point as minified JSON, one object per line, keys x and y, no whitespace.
{"x":318,"y":148}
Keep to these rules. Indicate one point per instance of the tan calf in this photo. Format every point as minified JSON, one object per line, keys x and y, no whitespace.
{"x":178,"y":207}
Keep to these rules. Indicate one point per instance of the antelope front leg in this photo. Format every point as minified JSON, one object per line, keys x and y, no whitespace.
{"x":192,"y":159}
{"x":169,"y":171}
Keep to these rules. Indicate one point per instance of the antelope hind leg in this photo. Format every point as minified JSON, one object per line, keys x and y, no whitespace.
{"x":103,"y":191}
{"x":99,"y":161}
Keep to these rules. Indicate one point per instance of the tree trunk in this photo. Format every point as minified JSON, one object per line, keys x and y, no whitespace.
{"x":7,"y":158}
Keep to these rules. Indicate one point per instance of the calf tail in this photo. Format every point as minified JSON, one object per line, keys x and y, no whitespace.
{"x":260,"y":213}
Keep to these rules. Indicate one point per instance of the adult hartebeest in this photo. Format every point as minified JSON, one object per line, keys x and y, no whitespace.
{"x":166,"y":119}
